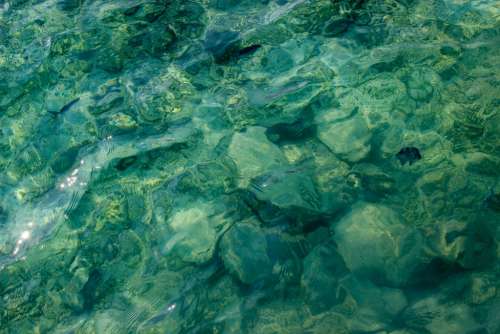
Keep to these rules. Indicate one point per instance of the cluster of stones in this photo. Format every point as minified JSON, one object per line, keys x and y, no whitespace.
{"x":291,"y":210}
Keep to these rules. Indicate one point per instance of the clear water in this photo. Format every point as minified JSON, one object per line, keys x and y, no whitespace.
{"x":233,"y":166}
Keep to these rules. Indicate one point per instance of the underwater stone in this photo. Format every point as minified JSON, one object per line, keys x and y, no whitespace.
{"x":244,"y":252}
{"x":276,"y":317}
{"x":483,"y":288}
{"x":254,"y":154}
{"x":374,"y":179}
{"x":420,"y":84}
{"x":122,"y":121}
{"x":374,"y":304}
{"x":286,"y":188}
{"x":30,"y":160}
{"x":434,"y":316}
{"x":323,"y":268}
{"x":107,"y":102}
{"x":482,"y":163}
{"x":63,"y":160}
{"x":107,"y":321}
{"x":448,"y":240}
{"x":71,"y":293}
{"x":371,"y":238}
{"x":284,"y":252}
{"x":277,"y":61}
{"x":379,"y":94}
{"x":326,"y":323}
{"x":194,"y":235}
{"x":350,"y":139}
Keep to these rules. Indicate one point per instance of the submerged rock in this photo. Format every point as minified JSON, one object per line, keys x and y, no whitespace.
{"x":327,"y":322}
{"x":374,"y":179}
{"x":480,"y":163}
{"x":421,"y":84}
{"x":287,"y":188}
{"x":244,"y":252}
{"x":435,"y":316}
{"x":448,"y":240}
{"x":105,"y":322}
{"x":277,"y":61}
{"x":375,"y":244}
{"x":278,"y":317}
{"x":483,"y":288}
{"x":349,"y":139}
{"x":194,"y":233}
{"x":375,"y":305}
{"x":254,"y":154}
{"x":323,"y":268}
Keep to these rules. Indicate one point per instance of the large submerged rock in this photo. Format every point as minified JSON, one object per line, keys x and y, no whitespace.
{"x":194,"y":233}
{"x":323,"y":268}
{"x":244,"y":252}
{"x":435,"y":316}
{"x":349,"y":139}
{"x":253,"y":153}
{"x":375,"y":243}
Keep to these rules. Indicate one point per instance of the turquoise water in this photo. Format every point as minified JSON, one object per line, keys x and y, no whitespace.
{"x":234,"y":166}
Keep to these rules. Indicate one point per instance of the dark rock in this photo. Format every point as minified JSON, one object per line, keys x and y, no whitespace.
{"x":408,"y":154}
{"x":376,"y":244}
{"x":323,"y":268}
{"x":483,"y":164}
{"x":244,"y":253}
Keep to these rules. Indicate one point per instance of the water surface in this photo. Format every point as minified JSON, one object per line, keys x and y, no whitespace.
{"x":234,"y":166}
